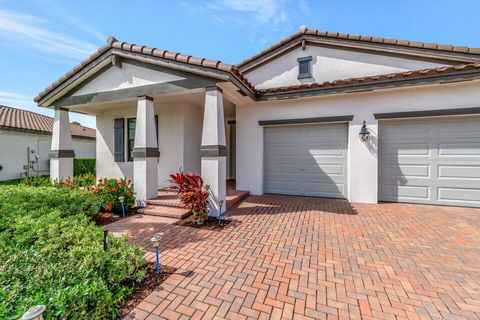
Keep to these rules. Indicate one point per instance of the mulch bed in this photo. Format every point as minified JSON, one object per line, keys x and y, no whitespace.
{"x":102,"y":219}
{"x":141,"y":290}
{"x":209,"y":224}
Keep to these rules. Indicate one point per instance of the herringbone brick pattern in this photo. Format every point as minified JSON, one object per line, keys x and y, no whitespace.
{"x":312,"y":258}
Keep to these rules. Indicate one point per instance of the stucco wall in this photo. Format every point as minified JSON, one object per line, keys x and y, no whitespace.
{"x":128,"y":76}
{"x":330,"y":64}
{"x":13,"y":152}
{"x":362,"y":157}
{"x":179,"y":126}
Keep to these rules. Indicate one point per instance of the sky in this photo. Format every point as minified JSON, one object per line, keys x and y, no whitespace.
{"x":40,"y":40}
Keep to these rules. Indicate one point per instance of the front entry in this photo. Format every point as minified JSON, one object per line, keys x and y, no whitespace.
{"x":308,"y":160}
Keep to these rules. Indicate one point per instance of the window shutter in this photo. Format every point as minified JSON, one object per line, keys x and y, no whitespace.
{"x":119,"y":144}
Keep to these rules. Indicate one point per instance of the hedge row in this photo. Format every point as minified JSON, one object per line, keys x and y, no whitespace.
{"x":52,"y":254}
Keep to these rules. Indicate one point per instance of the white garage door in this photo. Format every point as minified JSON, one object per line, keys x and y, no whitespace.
{"x":306,"y":160}
{"x":435,"y":162}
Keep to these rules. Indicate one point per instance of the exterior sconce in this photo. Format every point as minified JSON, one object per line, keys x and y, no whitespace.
{"x":34,"y":313}
{"x":364,"y":133}
{"x":156,"y":244}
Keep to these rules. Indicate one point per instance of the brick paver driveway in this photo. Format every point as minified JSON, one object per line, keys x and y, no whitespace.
{"x":295,"y":257}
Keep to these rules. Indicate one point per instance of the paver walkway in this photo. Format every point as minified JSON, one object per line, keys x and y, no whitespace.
{"x":313,"y":258}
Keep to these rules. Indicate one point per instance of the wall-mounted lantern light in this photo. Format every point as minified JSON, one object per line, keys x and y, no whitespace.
{"x":156,"y":244}
{"x":364,"y":133}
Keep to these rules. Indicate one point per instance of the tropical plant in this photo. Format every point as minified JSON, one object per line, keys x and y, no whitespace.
{"x":192,"y":191}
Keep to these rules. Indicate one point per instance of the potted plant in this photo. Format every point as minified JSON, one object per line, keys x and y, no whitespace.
{"x":193,"y":193}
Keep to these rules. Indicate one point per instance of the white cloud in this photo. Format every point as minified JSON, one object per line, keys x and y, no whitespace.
{"x":15,"y":99}
{"x":35,"y":33}
{"x":255,"y":13}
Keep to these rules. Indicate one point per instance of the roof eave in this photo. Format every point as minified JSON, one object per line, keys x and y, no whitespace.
{"x":370,"y":86}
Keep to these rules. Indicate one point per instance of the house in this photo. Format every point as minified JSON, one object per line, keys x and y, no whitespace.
{"x":285,"y":121}
{"x":26,"y":140}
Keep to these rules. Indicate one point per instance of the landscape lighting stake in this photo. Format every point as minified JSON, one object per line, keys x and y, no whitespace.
{"x":105,"y":240}
{"x":34,"y":313}
{"x":122,"y":200}
{"x":156,"y":244}
{"x":219,"y":214}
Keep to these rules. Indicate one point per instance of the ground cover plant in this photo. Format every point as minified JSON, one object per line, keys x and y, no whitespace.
{"x":52,"y":253}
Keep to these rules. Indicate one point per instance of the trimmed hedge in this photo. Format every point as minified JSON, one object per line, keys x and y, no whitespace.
{"x":51,"y":253}
{"x":83,"y":166}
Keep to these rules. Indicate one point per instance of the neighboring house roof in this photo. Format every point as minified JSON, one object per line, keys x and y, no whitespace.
{"x":467,"y":60}
{"x":354,"y":38}
{"x":22,"y":120}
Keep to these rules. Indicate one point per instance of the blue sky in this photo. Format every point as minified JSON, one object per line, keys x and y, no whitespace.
{"x":40,"y":40}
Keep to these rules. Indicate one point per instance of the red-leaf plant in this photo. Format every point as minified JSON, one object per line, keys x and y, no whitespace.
{"x":192,"y":191}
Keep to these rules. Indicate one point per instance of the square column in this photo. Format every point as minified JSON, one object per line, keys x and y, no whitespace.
{"x":61,"y":151}
{"x":145,"y":152}
{"x":214,"y":150}
{"x":363,"y":161}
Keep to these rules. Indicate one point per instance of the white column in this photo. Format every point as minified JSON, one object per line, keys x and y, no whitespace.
{"x":61,"y":151}
{"x":145,"y":152}
{"x":213,"y":149}
{"x":363,"y":161}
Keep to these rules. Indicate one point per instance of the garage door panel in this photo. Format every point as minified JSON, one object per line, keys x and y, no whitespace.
{"x":405,"y":170}
{"x":325,"y":169}
{"x":459,"y":149}
{"x":441,"y":167}
{"x":315,"y":155}
{"x":396,"y":192}
{"x":457,"y":129}
{"x":406,"y":130}
{"x":394,"y":150}
{"x":459,"y":171}
{"x":459,"y":195}
{"x":324,"y":189}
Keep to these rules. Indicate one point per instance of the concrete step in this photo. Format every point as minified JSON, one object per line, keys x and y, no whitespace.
{"x":235,"y":197}
{"x":165,"y":211}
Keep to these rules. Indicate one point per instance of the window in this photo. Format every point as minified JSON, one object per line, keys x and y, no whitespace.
{"x":304,"y":66}
{"x":131,"y":125}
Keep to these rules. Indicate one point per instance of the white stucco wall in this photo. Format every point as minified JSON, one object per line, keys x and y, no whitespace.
{"x":13,"y":152}
{"x":330,"y":64}
{"x":127,"y":76}
{"x":362,"y":162}
{"x":179,"y":125}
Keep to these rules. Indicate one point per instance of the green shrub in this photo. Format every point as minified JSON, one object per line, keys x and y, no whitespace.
{"x":37,"y":181}
{"x":83,"y":166}
{"x":85,"y":180}
{"x":51,"y":253}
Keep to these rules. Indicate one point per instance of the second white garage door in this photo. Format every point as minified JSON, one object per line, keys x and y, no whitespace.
{"x":306,"y":160}
{"x":430,"y":161}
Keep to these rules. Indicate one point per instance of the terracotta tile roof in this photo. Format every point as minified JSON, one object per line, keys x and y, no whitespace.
{"x":368,"y":39}
{"x":23,"y":120}
{"x":234,"y":70}
{"x":377,"y":78}
{"x":154,"y":52}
